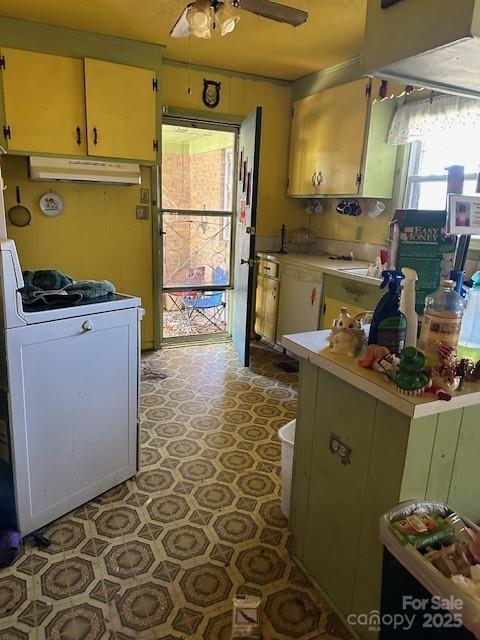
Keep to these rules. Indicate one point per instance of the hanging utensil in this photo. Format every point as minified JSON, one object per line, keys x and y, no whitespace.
{"x":19,"y":215}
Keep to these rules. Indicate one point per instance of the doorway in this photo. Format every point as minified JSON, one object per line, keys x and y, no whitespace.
{"x":198,"y":199}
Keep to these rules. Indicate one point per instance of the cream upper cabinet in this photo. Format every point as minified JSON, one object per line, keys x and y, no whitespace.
{"x":44,"y":100}
{"x":70,"y":106}
{"x":120,"y":102}
{"x":338,"y":144}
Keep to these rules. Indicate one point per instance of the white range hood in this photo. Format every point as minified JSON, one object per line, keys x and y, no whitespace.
{"x":429,"y":43}
{"x":80,"y":170}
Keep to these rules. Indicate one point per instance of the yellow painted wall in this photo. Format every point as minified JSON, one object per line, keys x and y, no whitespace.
{"x":334,"y":226}
{"x":97,"y":236}
{"x":239,"y":95}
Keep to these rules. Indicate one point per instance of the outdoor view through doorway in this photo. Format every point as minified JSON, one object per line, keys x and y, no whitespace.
{"x":197,"y":203}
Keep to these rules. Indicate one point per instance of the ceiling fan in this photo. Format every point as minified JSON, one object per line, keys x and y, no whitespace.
{"x":199,"y":18}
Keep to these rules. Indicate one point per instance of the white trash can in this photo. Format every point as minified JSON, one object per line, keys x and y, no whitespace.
{"x":287,"y":438}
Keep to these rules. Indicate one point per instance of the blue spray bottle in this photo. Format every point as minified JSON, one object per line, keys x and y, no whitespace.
{"x":389,"y":324}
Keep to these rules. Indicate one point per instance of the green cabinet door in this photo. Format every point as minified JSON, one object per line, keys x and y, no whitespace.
{"x":337,"y":486}
{"x":302,"y":459}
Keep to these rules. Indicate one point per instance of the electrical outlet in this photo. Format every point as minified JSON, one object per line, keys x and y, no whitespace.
{"x":142,"y":212}
{"x":359,"y":233}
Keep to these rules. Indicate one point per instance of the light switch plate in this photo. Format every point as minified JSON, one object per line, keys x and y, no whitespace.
{"x":142,"y":212}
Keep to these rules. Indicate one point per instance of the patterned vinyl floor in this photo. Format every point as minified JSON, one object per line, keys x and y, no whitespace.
{"x":160,"y":556}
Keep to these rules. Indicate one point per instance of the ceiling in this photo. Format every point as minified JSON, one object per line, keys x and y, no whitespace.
{"x":182,"y":135}
{"x":333,"y":33}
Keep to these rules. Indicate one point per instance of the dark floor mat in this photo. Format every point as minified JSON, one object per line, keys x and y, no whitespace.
{"x":288,"y":367}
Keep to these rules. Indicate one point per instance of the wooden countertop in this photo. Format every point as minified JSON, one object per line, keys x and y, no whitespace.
{"x":324,"y":264}
{"x":313,"y":346}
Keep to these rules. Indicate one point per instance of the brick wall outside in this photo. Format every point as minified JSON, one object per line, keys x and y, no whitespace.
{"x":194,"y":182}
{"x":207,"y":180}
{"x":175,"y":181}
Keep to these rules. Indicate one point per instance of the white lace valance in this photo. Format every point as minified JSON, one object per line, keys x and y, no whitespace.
{"x":422,"y":119}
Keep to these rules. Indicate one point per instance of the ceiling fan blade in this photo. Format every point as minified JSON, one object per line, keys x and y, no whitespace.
{"x":273,"y":10}
{"x":181,"y":28}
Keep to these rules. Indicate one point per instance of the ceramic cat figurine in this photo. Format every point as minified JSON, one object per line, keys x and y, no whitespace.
{"x":347,"y":334}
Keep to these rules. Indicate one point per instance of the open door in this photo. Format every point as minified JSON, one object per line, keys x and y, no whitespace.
{"x":246,"y":214}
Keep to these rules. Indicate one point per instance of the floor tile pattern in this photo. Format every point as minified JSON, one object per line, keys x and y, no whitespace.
{"x":161,"y":556}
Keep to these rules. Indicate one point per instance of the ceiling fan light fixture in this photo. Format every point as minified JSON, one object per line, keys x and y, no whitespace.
{"x":200,"y":18}
{"x":226,"y":18}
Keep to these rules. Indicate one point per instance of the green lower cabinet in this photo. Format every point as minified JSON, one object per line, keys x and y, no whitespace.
{"x":355,"y":458}
{"x":385,"y":471}
{"x":337,"y":490}
{"x":303,"y":455}
{"x":463,"y":490}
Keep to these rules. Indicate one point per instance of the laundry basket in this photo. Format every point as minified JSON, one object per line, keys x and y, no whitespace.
{"x":287,"y":438}
{"x":407,"y":574}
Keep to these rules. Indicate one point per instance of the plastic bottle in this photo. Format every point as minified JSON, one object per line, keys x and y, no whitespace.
{"x":407,"y":305}
{"x":389,"y":325}
{"x":442,"y":320}
{"x":469,"y":340}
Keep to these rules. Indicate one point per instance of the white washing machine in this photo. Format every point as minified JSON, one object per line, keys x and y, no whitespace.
{"x":69,"y":419}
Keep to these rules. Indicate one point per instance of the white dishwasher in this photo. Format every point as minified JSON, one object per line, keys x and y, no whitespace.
{"x":300,"y":299}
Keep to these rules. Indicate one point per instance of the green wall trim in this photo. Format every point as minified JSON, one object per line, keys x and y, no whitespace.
{"x":342,"y":73}
{"x":45,"y":38}
{"x":228,"y":72}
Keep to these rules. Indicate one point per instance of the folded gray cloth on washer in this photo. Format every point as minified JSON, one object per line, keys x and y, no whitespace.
{"x":90,"y":289}
{"x":49,"y":286}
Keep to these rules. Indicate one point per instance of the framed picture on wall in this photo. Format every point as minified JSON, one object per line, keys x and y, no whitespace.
{"x":464,"y":215}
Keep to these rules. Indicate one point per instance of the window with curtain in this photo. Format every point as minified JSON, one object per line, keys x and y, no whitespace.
{"x":441,"y":132}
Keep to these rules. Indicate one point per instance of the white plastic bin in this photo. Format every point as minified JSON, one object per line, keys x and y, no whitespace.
{"x":287,"y":438}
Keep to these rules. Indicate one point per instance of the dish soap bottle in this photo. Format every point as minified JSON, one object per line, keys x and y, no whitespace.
{"x":407,"y":305}
{"x":389,"y":324}
{"x":442,"y":319}
{"x":469,"y":340}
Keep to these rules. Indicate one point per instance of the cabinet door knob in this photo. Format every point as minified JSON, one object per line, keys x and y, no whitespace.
{"x":319,"y":178}
{"x":79,"y":135}
{"x":314,"y":178}
{"x":87,"y":325}
{"x":95,"y":135}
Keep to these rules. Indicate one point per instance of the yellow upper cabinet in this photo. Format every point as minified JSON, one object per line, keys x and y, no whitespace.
{"x":338,"y":144}
{"x":297,"y":144}
{"x":44,"y":103}
{"x":120,"y":103}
